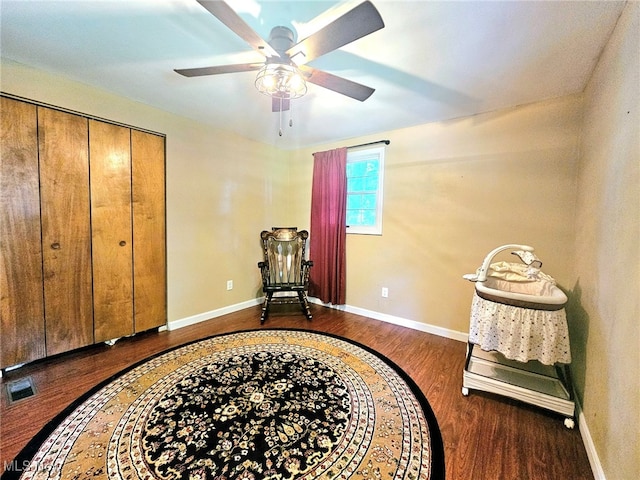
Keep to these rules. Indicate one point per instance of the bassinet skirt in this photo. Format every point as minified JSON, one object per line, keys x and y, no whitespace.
{"x":518,"y":333}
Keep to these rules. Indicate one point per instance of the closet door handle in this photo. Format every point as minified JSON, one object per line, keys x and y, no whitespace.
{"x":55,"y":246}
{"x":122,"y":243}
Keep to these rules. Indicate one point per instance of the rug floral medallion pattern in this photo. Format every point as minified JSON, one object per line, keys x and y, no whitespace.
{"x":267,"y":404}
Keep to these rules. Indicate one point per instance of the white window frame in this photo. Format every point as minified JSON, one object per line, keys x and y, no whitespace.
{"x":361,"y":154}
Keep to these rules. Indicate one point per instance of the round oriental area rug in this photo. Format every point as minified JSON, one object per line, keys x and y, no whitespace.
{"x":264,"y":404}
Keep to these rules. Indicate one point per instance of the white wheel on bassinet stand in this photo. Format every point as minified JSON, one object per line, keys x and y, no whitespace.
{"x":465,"y":391}
{"x":569,"y":423}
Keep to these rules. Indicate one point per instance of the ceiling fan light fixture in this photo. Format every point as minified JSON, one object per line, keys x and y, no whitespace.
{"x":281,"y":81}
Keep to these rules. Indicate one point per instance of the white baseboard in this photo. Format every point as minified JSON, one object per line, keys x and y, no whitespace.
{"x":404,"y":322}
{"x":201,"y":317}
{"x":423,"y":327}
{"x":592,"y":454}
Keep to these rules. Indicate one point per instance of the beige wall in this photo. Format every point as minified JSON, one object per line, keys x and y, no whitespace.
{"x":606,"y":279}
{"x":220,"y":191}
{"x":454,"y":191}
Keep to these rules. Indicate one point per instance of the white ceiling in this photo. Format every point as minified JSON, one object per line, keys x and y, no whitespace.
{"x":433,"y":60}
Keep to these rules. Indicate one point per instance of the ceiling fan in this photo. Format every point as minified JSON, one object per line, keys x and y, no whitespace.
{"x":286,"y":59}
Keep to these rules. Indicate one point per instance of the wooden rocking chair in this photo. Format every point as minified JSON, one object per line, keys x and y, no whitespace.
{"x":284,"y":268}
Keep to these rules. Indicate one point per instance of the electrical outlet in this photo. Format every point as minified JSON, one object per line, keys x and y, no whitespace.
{"x":385,"y":292}
{"x":229,"y":284}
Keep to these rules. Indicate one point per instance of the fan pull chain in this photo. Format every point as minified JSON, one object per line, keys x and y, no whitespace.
{"x":280,"y":131}
{"x":291,"y":114}
{"x":280,"y":118}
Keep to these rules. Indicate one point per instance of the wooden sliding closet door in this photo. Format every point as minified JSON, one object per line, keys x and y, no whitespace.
{"x":66,"y":230}
{"x":110,"y":156}
{"x":149,"y":265}
{"x":82,"y":231}
{"x":21,"y":298}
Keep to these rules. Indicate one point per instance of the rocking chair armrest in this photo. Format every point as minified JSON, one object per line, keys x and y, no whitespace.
{"x":264,"y":272}
{"x":306,"y":270}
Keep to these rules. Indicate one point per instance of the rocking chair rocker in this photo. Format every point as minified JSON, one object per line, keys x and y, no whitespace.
{"x":284,"y":268}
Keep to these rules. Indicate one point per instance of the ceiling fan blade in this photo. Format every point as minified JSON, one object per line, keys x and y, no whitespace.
{"x":337,"y":84}
{"x":223,"y":12}
{"x":202,"y":71}
{"x":356,"y":23}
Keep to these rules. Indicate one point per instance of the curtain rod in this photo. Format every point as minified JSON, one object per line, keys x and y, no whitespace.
{"x":386,"y":142}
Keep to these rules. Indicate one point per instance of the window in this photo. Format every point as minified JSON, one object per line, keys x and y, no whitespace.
{"x":365,"y":169}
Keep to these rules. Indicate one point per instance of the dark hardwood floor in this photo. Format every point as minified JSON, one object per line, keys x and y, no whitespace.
{"x":485,"y":437}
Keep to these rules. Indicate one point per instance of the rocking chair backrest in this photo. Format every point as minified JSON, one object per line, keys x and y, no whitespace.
{"x":284,"y":252}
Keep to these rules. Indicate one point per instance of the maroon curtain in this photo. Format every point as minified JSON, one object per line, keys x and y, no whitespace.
{"x":328,"y":236}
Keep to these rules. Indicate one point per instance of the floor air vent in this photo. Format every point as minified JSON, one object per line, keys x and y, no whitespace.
{"x":21,"y":389}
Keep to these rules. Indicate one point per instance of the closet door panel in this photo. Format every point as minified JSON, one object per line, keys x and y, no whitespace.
{"x":21,"y":298}
{"x":66,"y":230}
{"x":149,"y":245}
{"x":110,"y":158}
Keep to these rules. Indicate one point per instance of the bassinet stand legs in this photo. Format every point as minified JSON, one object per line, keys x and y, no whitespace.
{"x":541,"y":385}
